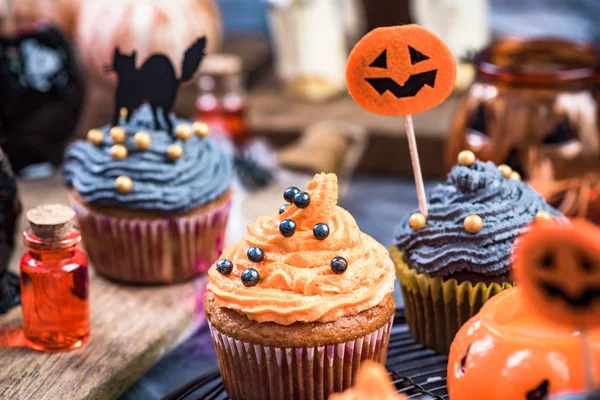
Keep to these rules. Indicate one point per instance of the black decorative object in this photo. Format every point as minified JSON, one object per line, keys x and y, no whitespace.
{"x":339,"y":265}
{"x":10,"y":210}
{"x":321,"y":231}
{"x":287,"y":227}
{"x":255,"y":254}
{"x":224,"y":266}
{"x":41,"y":96}
{"x":283,"y":208}
{"x":302,"y":200}
{"x":155,"y":82}
{"x":250,"y":277}
{"x":290,"y":193}
{"x":417,"y":372}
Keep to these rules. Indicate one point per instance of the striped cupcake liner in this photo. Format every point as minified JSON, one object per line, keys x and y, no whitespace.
{"x":255,"y":372}
{"x":152,"y":251}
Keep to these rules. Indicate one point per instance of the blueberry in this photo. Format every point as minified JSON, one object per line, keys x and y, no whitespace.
{"x":225,"y":266}
{"x":302,"y":200}
{"x":287,"y":227}
{"x":283,"y":208}
{"x":250,"y":277}
{"x":339,"y":265}
{"x":289,"y":193}
{"x":321,"y":231}
{"x":255,"y":254}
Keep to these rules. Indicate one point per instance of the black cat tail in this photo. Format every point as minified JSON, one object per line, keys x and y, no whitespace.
{"x":192,"y":59}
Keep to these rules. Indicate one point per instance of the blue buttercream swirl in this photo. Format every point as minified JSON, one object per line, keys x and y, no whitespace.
{"x":201,"y":175}
{"x":444,"y":247}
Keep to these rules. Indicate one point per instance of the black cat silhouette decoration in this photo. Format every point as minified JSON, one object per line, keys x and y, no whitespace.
{"x":155,"y":82}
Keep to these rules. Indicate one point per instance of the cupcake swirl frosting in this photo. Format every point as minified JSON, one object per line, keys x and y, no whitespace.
{"x":201,"y":175}
{"x":296,"y":279}
{"x":444,"y":246}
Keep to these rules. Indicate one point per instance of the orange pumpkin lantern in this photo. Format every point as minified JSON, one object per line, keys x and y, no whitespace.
{"x":509,"y":351}
{"x":145,"y":26}
{"x":400,"y":70}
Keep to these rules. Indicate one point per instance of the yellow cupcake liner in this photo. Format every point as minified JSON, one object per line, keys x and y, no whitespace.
{"x":435,"y":308}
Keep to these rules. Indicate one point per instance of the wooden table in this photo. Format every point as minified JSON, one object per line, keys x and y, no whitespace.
{"x":132,"y":327}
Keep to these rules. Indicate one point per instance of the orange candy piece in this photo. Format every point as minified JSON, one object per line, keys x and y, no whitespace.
{"x":400,"y":70}
{"x":558,"y":268}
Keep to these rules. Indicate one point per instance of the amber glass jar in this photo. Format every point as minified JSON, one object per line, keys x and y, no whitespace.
{"x":533,"y":107}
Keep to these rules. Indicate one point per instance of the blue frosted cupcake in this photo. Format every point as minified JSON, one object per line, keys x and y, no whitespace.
{"x":453,"y":261}
{"x":152,"y":205}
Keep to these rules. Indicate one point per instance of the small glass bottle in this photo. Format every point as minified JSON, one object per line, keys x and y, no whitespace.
{"x":54,"y":281}
{"x":221,"y":103}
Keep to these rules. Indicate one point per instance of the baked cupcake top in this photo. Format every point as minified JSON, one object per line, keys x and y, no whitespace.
{"x":372,"y":382}
{"x":310,"y":263}
{"x":170,"y":172}
{"x":473,"y":219}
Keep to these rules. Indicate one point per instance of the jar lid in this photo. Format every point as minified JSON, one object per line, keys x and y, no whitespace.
{"x":221,"y":64}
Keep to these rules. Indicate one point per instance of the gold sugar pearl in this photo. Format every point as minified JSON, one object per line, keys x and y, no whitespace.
{"x":466,"y":158}
{"x":123,"y":112}
{"x":505,"y":170}
{"x":118,"y":152}
{"x":124,"y":184}
{"x":174,"y":151}
{"x":117,"y":134}
{"x":200,"y":129}
{"x":142,"y":140}
{"x":543,"y":216}
{"x":183,"y":131}
{"x":417,"y":221}
{"x":95,"y":136}
{"x":515,"y":175}
{"x":473,"y":223}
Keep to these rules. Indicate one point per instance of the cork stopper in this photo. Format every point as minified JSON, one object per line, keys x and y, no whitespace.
{"x":51,"y":221}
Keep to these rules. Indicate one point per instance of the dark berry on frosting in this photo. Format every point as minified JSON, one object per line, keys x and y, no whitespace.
{"x":283,"y":208}
{"x":339,"y":265}
{"x":225,"y":266}
{"x":321,"y":231}
{"x":287,"y":227}
{"x":290,"y":193}
{"x":250,"y":277}
{"x":302,"y":200}
{"x":255,"y":254}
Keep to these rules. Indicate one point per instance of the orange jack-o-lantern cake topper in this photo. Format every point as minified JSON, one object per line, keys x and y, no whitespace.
{"x":558,"y":269}
{"x":400,"y":70}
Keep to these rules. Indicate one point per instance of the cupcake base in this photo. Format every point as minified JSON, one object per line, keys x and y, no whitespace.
{"x":436,"y":308}
{"x":152,"y":248}
{"x":270,"y":370}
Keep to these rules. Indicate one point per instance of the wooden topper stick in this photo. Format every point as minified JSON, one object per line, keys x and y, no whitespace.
{"x":414,"y":156}
{"x":590,"y":383}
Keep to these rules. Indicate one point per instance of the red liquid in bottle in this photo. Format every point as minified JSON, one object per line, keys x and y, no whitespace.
{"x":54,"y":293}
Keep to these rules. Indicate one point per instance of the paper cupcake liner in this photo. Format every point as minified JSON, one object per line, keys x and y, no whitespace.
{"x":436,"y":309}
{"x":152,"y":251}
{"x":255,"y":372}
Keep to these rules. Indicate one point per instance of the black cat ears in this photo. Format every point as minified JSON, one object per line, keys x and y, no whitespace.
{"x":154,"y":82}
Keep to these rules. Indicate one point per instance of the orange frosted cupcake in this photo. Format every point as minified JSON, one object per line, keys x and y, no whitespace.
{"x":300,"y":301}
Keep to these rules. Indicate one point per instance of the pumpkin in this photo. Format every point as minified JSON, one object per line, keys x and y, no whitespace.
{"x":400,"y":70}
{"x":144,"y":26}
{"x":509,"y":351}
{"x":558,"y":267}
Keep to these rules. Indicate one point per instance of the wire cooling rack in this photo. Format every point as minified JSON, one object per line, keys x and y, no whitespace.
{"x":417,"y":372}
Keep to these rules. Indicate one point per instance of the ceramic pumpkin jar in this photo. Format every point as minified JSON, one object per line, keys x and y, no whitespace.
{"x":508,"y":351}
{"x":146,"y":26}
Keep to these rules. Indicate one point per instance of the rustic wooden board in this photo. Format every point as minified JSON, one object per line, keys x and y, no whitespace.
{"x":132,"y":327}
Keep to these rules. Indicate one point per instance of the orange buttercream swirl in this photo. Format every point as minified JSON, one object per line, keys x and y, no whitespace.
{"x":296,"y":280}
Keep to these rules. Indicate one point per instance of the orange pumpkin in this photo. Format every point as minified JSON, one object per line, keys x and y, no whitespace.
{"x":400,"y":70}
{"x":509,"y":351}
{"x":558,"y":267}
{"x":146,"y":26}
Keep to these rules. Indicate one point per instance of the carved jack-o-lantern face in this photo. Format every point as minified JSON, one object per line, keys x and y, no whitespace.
{"x":510,"y":352}
{"x":400,"y":70}
{"x":558,"y":267}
